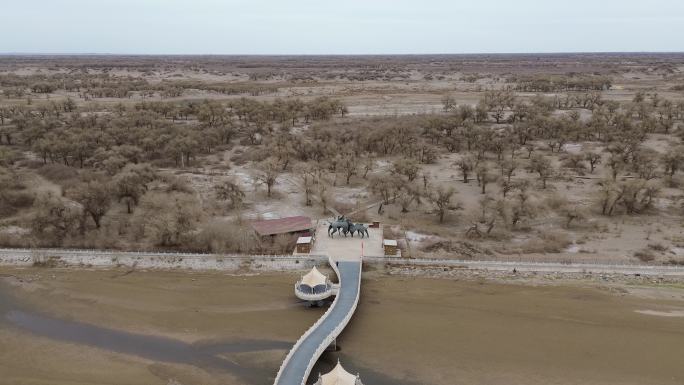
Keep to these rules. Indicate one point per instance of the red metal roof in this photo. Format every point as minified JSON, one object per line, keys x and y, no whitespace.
{"x":282,"y":225}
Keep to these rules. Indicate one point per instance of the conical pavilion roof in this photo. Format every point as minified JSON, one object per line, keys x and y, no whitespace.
{"x":338,"y":376}
{"x":314,"y":278}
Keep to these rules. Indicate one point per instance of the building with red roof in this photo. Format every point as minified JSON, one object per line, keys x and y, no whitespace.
{"x":299,"y":225}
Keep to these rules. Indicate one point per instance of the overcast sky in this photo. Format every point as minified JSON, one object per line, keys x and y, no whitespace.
{"x":339,"y":27}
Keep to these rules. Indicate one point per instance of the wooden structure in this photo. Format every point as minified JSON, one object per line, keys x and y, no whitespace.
{"x":390,"y":246}
{"x":300,"y":225}
{"x":304,"y":245}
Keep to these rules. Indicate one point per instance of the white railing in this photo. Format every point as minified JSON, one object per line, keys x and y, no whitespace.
{"x":311,"y":328}
{"x":336,"y":332}
{"x":328,"y":340}
{"x":313,"y":297}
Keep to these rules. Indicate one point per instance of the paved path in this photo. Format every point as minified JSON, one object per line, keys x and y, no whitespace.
{"x":347,"y":248}
{"x":298,"y":363}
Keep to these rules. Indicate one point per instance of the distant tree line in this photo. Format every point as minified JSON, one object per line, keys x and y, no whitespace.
{"x":556,"y":83}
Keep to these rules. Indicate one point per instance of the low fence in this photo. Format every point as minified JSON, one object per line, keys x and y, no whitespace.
{"x":233,"y":262}
{"x":147,"y":260}
{"x":607,"y":268}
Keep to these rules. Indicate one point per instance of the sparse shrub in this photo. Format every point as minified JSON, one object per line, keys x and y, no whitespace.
{"x":58,"y":173}
{"x":283,"y":244}
{"x":166,"y":219}
{"x":645,"y":255}
{"x":455,"y":249}
{"x":240,"y":157}
{"x":547,"y":242}
{"x":54,"y":219}
{"x":217,"y":236}
{"x":657,"y":247}
{"x":14,"y":240}
{"x":44,"y":261}
{"x":178,"y":184}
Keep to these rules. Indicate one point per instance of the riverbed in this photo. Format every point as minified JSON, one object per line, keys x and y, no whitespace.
{"x":75,"y":326}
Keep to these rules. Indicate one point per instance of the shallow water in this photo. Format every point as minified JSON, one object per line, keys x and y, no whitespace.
{"x":204,"y":355}
{"x":477,"y":332}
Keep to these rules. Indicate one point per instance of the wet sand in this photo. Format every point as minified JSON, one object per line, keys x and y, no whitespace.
{"x":407,"y":330}
{"x":451,"y":332}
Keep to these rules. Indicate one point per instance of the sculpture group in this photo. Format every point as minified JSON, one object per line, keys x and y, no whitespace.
{"x":345,"y":226}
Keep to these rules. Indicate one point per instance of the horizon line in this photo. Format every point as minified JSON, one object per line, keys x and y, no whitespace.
{"x":335,"y":54}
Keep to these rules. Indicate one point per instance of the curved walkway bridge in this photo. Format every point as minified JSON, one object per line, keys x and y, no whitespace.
{"x":300,"y":360}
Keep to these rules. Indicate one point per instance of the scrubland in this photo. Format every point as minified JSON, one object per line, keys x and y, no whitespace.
{"x":550,"y":157}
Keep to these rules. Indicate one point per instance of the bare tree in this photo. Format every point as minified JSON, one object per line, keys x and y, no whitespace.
{"x":518,"y":209}
{"x":349,"y":166}
{"x":467,"y":165}
{"x":385,"y":186}
{"x":406,"y":167}
{"x":322,"y":192}
{"x":637,"y":195}
{"x":95,"y":197}
{"x":230,"y":192}
{"x":131,"y":183}
{"x":368,"y":164}
{"x":267,"y":173}
{"x":307,"y":178}
{"x":484,"y":176}
{"x":608,"y":196}
{"x":448,"y":103}
{"x":672,"y":160}
{"x":497,"y":102}
{"x":542,"y":166}
{"x":54,"y":219}
{"x":574,"y":162}
{"x":508,"y":168}
{"x":616,"y":164}
{"x":593,"y":158}
{"x":408,"y":194}
{"x":441,"y":199}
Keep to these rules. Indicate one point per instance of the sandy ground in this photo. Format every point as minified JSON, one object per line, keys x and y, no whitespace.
{"x":407,"y":330}
{"x":198,"y":309}
{"x":500,"y":334}
{"x":596,"y":239}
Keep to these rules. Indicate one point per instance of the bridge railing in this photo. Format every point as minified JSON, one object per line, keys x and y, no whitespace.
{"x":336,"y":332}
{"x":309,"y":331}
{"x":329,"y":291}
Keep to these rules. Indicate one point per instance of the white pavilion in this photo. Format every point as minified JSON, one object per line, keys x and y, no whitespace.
{"x":338,"y":376}
{"x":314,"y":286}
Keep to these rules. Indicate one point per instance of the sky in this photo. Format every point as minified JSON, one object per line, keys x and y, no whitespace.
{"x":340,"y":27}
